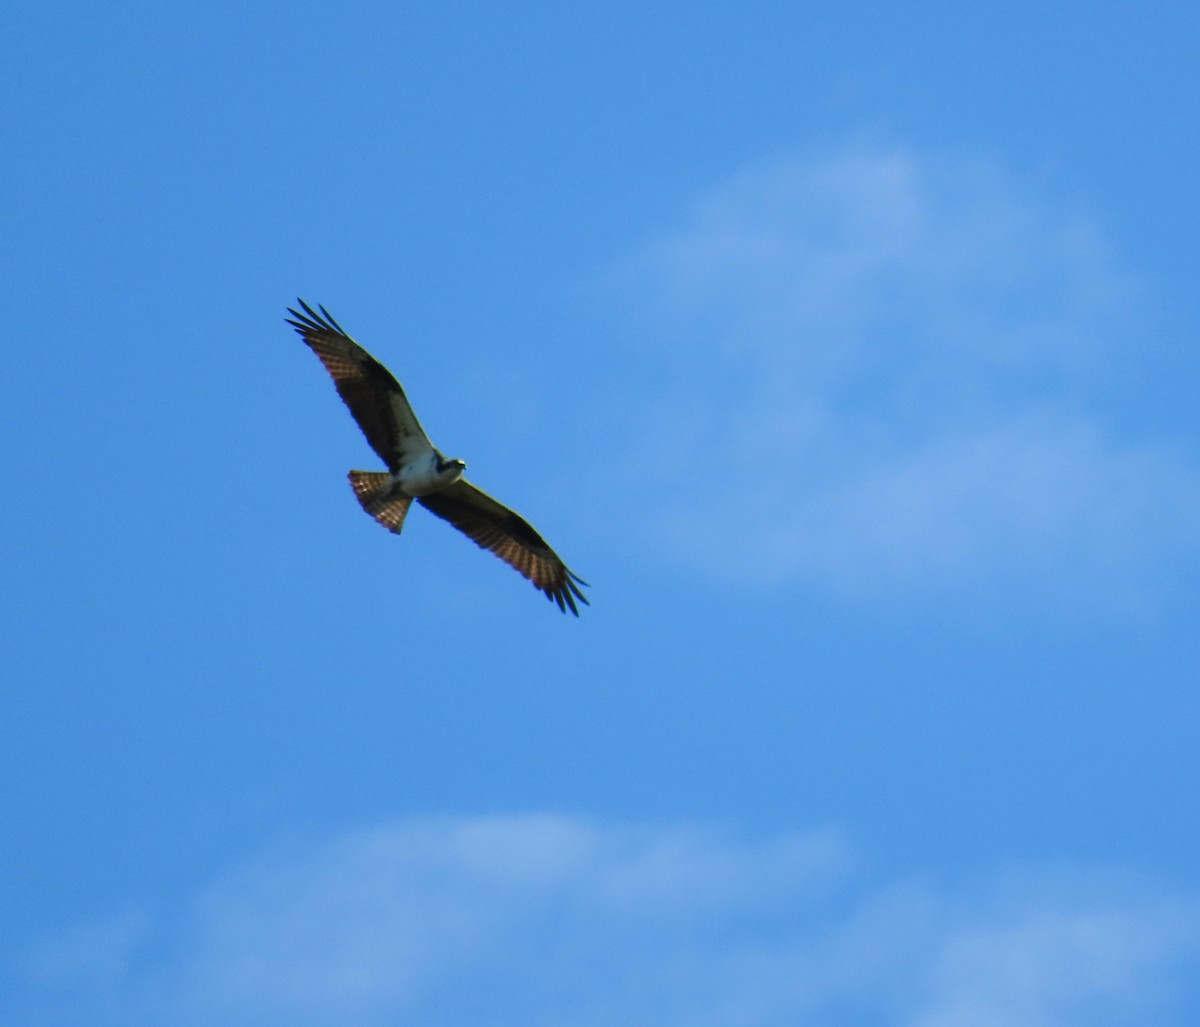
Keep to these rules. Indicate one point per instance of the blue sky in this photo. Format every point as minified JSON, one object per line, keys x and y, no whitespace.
{"x":848,"y":352}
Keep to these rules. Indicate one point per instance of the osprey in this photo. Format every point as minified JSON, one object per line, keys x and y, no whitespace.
{"x":415,"y":470}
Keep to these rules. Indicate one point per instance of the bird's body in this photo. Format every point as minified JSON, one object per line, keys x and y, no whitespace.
{"x":428,"y":474}
{"x":416,"y":470}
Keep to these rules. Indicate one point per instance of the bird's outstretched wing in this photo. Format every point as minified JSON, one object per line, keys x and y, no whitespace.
{"x":365,"y":385}
{"x":494,"y":526}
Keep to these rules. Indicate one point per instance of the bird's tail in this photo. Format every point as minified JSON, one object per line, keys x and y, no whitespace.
{"x":374,"y":491}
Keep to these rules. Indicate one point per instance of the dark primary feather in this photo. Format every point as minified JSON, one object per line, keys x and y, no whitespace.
{"x":493,"y":526}
{"x":373,"y":396}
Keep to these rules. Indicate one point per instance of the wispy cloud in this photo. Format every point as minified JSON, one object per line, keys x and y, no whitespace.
{"x":540,"y":920}
{"x":874,"y":373}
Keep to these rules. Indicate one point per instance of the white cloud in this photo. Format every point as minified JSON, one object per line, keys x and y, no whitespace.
{"x":540,"y":920}
{"x":874,"y":373}
{"x":1060,"y":962}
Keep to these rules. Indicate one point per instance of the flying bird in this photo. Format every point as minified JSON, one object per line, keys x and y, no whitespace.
{"x":416,"y":470}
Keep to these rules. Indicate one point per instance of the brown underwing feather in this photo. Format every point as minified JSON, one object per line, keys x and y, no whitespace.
{"x":495,"y":527}
{"x":367,"y":388}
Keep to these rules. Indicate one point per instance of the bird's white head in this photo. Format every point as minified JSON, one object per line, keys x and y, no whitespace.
{"x":430,"y":473}
{"x":447,"y":471}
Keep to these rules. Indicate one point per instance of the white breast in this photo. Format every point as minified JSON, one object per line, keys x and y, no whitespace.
{"x":420,"y":477}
